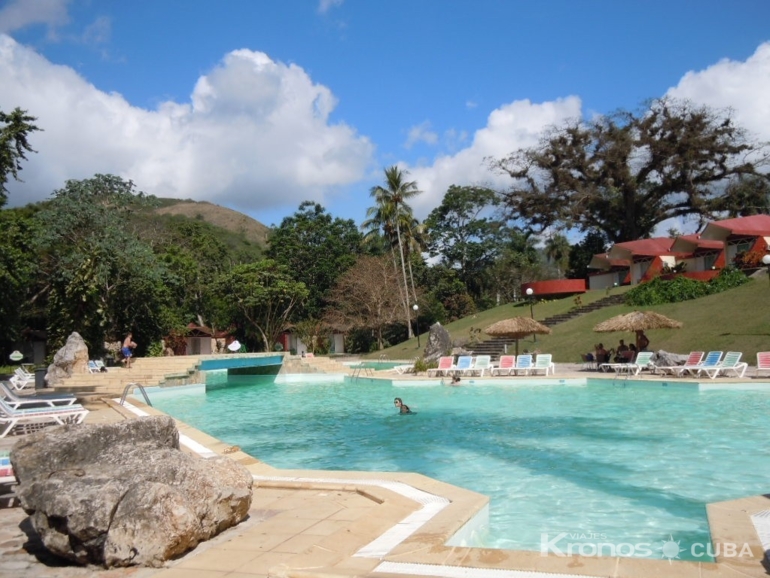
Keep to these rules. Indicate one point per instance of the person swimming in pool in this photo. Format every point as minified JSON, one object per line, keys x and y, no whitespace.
{"x":402,"y":407}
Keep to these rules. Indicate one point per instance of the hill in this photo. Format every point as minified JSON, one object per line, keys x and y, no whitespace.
{"x":250,"y":229}
{"x":735,"y":320}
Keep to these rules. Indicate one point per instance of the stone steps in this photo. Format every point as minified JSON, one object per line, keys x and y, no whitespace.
{"x":496,"y":345}
{"x":146,"y":371}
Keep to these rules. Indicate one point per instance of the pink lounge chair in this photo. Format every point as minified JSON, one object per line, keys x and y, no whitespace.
{"x":763,"y":361}
{"x":694,"y":360}
{"x":507,"y":364}
{"x":445,"y":364}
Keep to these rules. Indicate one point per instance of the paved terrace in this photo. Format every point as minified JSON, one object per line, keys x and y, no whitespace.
{"x":319,"y":524}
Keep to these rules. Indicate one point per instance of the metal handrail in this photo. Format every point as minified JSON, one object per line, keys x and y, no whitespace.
{"x":141,"y":388}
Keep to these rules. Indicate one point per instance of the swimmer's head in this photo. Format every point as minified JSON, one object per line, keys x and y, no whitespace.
{"x":397,"y":402}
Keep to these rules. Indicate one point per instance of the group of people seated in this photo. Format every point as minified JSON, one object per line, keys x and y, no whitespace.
{"x":622,"y":354}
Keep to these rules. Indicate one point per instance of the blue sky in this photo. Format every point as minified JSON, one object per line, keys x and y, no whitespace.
{"x":260,"y":105}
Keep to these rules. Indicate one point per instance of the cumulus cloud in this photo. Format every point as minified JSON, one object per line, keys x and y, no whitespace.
{"x":420,"y":133}
{"x":742,"y":86}
{"x":18,"y":14}
{"x":512,"y":126}
{"x":325,"y":5}
{"x":254,"y":135}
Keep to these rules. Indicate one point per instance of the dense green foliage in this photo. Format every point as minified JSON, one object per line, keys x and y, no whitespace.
{"x":15,"y":127}
{"x":659,"y":290}
{"x":317,"y":249}
{"x":99,"y":258}
{"x":261,"y":298}
{"x":624,"y":173}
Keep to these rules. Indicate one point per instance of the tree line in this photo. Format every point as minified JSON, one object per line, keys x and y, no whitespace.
{"x":96,"y":258}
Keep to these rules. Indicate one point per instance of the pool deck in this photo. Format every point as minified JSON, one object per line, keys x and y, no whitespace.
{"x":320,"y":524}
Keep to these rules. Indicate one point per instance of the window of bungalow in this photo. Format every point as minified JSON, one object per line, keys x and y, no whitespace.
{"x":708,"y":260}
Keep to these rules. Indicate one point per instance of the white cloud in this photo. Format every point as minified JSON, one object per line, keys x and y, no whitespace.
{"x":512,"y":126}
{"x":420,"y":133}
{"x":255,"y":134}
{"x":325,"y":5}
{"x":18,"y":14}
{"x":741,"y":86}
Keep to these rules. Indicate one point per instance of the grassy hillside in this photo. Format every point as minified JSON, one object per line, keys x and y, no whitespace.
{"x":736,"y":320}
{"x":250,"y":229}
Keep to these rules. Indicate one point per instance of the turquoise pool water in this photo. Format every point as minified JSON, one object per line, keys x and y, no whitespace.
{"x":602,"y":463}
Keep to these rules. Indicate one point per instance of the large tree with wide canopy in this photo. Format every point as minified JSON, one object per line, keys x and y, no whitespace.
{"x":626,"y":172}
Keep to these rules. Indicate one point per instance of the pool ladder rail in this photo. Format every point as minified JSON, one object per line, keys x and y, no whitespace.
{"x":360,"y":369}
{"x":135,"y":385}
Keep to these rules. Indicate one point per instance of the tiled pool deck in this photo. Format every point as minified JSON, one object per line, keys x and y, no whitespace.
{"x":319,"y":524}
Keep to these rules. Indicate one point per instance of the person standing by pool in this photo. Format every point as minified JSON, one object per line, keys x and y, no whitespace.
{"x":402,"y":407}
{"x":128,"y":349}
{"x":641,"y":341}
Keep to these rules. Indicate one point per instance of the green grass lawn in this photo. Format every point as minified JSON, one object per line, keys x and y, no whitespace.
{"x":735,"y":320}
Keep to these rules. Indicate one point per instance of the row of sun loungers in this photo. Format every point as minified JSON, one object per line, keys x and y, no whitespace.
{"x":711,"y":364}
{"x":24,"y":414}
{"x":508,"y":365}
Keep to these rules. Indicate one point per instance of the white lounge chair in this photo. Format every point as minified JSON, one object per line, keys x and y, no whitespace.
{"x":23,"y":373}
{"x":19,"y":383}
{"x":506,"y":365}
{"x":763,"y":362}
{"x":30,"y":401}
{"x":481,"y":364}
{"x":731,"y":362}
{"x":27,"y":420}
{"x":543,"y":363}
{"x":643,"y":361}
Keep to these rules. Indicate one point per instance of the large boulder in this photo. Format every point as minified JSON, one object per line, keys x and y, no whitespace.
{"x":70,"y":359}
{"x":439,"y":343}
{"x":124,"y":494}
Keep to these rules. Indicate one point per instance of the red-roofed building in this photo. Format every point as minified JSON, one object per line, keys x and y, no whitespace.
{"x":740,"y":235}
{"x":701,"y":255}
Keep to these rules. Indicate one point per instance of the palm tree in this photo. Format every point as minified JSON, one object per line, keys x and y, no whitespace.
{"x":557,"y":249}
{"x":389,"y":213}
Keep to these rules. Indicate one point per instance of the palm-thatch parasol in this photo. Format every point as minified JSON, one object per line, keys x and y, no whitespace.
{"x":637,"y":321}
{"x":516,"y":328}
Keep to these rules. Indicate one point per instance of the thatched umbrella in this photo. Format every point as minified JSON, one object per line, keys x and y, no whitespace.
{"x":637,"y":321}
{"x":517,"y":328}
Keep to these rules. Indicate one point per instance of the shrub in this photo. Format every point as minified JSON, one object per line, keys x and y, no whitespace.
{"x":155,"y":349}
{"x":420,"y":365}
{"x":659,"y":290}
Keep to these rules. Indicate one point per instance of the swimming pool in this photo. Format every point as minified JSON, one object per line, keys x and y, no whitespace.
{"x":605,"y":463}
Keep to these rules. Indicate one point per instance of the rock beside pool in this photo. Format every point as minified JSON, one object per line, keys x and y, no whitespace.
{"x":124,"y":494}
{"x":439,"y":343}
{"x":70,"y":359}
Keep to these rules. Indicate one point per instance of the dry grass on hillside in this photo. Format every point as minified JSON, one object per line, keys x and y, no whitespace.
{"x":252,"y":230}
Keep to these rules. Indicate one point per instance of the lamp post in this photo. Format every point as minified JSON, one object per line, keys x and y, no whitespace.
{"x":530,"y":293}
{"x":417,"y":322}
{"x":766,"y":262}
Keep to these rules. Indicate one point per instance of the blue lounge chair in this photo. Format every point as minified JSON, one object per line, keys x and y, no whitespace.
{"x":712,"y":359}
{"x":523,"y":364}
{"x":731,"y":362}
{"x":464,"y":365}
